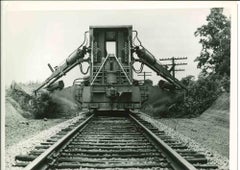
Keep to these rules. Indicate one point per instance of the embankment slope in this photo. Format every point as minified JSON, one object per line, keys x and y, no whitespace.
{"x":211,"y":129}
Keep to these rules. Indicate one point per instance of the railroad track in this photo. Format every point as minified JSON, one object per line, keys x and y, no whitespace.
{"x":113,"y":142}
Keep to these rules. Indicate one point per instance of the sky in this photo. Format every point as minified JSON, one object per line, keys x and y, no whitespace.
{"x":34,"y":38}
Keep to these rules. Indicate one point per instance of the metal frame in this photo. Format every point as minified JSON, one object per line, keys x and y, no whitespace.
{"x":123,"y":70}
{"x":103,"y":66}
{"x":99,"y":69}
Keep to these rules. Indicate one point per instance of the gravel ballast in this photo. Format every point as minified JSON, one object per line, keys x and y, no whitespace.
{"x":213,"y":156}
{"x":27,"y":145}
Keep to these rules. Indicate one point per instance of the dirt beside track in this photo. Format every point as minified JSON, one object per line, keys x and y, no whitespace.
{"x":22,"y":135}
{"x":18,"y":128}
{"x":211,"y":129}
{"x":210,"y":135}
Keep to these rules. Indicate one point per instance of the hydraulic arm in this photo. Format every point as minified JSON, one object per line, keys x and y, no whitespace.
{"x":148,"y":59}
{"x":74,"y":59}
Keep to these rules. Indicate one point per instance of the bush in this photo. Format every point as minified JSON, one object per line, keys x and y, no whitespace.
{"x":201,"y":95}
{"x":38,"y":107}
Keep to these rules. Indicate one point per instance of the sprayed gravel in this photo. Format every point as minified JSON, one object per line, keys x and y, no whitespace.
{"x":213,"y":156}
{"x":26,"y":146}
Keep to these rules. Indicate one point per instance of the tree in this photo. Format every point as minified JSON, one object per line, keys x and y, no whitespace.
{"x":215,"y":39}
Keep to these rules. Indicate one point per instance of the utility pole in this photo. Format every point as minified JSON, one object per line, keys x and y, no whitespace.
{"x":173,"y":64}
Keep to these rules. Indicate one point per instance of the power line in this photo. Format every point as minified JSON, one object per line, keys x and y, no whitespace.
{"x":173,"y":64}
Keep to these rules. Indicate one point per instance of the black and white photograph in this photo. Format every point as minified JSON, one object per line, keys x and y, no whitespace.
{"x":118,"y":85}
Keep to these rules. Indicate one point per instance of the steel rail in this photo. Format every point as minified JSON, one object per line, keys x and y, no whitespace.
{"x":38,"y":162}
{"x":182,"y":164}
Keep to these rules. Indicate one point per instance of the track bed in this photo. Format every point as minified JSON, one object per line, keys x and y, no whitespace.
{"x":113,"y":142}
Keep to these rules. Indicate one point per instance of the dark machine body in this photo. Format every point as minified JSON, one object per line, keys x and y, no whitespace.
{"x":110,"y":54}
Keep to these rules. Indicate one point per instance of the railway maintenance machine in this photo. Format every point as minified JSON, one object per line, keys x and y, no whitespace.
{"x":110,"y":53}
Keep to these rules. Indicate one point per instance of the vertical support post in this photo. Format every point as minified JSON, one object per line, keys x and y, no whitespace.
{"x":173,"y":64}
{"x":173,"y":67}
{"x":144,"y":74}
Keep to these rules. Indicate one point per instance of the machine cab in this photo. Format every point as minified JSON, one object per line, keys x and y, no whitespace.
{"x":111,"y":49}
{"x":111,"y":76}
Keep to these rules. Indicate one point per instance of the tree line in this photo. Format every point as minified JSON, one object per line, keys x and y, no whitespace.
{"x":214,"y":62}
